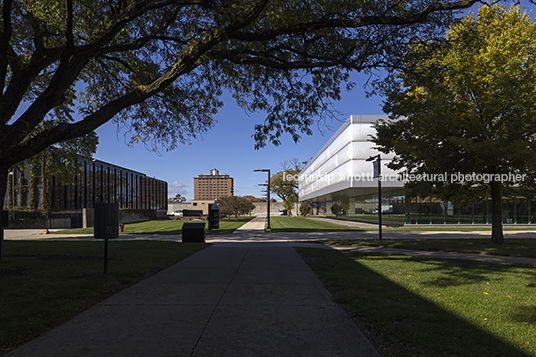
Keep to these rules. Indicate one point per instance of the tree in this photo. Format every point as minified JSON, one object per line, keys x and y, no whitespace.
{"x":10,"y":195}
{"x":288,"y":204}
{"x":35,"y":169}
{"x":22,"y":191}
{"x":158,"y":68}
{"x":305,"y":209}
{"x":337,"y":209}
{"x":177,"y":199}
{"x":46,"y":202}
{"x":285,"y":183}
{"x":235,"y":205}
{"x":465,"y":106}
{"x":345,"y":205}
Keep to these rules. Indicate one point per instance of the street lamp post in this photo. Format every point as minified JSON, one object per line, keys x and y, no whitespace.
{"x":377,"y":173}
{"x":267,"y":195}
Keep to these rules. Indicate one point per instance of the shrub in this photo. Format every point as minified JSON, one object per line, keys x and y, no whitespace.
{"x":305,"y":209}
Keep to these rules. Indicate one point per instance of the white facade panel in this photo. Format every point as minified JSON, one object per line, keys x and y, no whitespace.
{"x":328,"y":166}
{"x":362,"y":150}
{"x":341,"y":162}
{"x":342,"y":173}
{"x":345,"y":154}
{"x":340,"y":142}
{"x":362,"y":132}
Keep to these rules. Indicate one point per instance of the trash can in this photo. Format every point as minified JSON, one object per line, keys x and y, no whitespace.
{"x":193,"y":232}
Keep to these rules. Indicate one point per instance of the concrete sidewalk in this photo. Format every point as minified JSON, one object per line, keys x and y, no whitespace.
{"x":249,"y":299}
{"x":255,"y":226}
{"x":421,"y":253}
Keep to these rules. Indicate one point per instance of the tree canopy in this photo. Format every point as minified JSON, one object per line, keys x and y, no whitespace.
{"x":465,"y":106}
{"x":177,"y":199}
{"x":158,"y":67}
{"x":235,"y":205}
{"x":285,"y":182}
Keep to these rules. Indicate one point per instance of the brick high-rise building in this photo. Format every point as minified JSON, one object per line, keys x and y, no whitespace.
{"x":213,"y":186}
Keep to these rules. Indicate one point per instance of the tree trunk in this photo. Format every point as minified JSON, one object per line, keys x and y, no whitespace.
{"x":46,"y":204}
{"x":3,"y":187}
{"x":497,"y":236}
{"x":34,"y":180}
{"x":9,"y":191}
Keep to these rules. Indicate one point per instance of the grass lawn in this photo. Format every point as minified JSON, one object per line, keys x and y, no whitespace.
{"x":171,"y":226}
{"x":413,"y":306}
{"x":515,"y":247}
{"x":303,"y":224}
{"x":401,"y":219}
{"x":46,"y":283}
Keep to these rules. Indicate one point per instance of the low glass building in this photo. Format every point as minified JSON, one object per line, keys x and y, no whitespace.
{"x":339,"y":172}
{"x":107,"y":183}
{"x":97,"y":182}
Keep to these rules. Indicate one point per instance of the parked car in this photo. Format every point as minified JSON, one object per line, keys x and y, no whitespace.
{"x":282,"y":212}
{"x":177,"y":213}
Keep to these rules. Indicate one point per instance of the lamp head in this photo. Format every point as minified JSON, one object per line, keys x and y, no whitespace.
{"x":373,"y":158}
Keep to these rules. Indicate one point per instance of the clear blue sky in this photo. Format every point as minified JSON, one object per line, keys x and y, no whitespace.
{"x":229,"y":146}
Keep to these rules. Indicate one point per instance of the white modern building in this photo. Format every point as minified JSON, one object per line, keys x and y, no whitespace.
{"x":340,"y":172}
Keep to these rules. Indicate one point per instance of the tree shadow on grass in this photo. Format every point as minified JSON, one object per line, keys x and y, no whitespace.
{"x":523,"y":314}
{"x":464,"y":272}
{"x":398,"y":322}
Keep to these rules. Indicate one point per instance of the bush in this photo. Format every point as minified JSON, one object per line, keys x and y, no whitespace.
{"x":337,"y":209}
{"x":305,"y":209}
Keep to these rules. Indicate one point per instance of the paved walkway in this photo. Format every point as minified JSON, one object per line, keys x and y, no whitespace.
{"x":239,"y":297}
{"x":423,"y":253}
{"x":249,"y":294}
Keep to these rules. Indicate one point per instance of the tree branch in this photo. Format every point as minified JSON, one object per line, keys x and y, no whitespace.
{"x":72,"y":62}
{"x":4,"y":43}
{"x":69,"y":24}
{"x":67,"y":131}
{"x":353,"y":23}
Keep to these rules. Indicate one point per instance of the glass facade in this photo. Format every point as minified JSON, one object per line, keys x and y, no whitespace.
{"x":103,"y":182}
{"x":430,"y":210}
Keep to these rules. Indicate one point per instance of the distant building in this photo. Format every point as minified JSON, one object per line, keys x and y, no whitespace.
{"x":201,"y":205}
{"x":213,"y":186}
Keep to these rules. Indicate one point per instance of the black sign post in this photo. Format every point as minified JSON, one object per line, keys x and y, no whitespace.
{"x":106,"y":225}
{"x":213,"y":216}
{"x":268,"y":228}
{"x":378,"y":173}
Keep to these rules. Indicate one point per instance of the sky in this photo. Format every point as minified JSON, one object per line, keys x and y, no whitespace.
{"x":229,"y":146}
